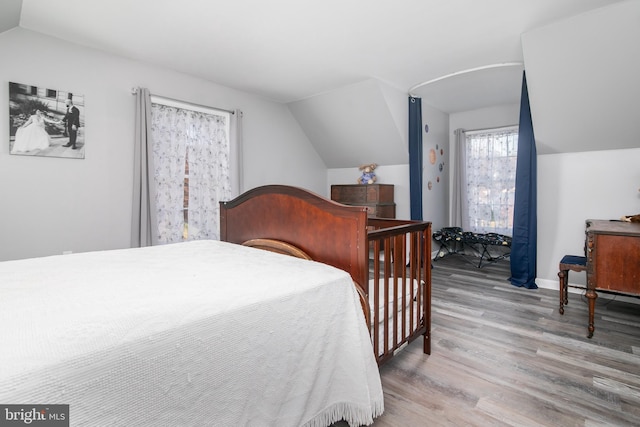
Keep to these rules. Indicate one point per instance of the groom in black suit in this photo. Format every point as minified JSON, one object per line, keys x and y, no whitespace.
{"x":72,"y":123}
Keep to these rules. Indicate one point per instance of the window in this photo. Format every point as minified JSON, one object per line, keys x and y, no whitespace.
{"x":185,"y":209}
{"x":191,"y":152}
{"x":490,"y":173}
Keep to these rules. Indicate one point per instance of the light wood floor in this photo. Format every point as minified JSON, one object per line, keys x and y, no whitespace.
{"x":504,"y":356}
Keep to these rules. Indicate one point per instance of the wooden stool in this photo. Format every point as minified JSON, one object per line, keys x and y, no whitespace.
{"x":573,"y":263}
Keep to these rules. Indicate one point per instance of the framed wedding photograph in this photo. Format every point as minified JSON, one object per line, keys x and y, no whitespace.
{"x":45,"y":122}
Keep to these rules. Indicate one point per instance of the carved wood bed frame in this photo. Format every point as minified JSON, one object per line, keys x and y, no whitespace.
{"x":297,"y":222}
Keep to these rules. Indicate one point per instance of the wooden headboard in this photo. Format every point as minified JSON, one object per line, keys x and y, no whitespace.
{"x":329,"y":232}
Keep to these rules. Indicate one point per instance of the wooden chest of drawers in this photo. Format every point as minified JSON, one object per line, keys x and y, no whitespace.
{"x":378,"y":198}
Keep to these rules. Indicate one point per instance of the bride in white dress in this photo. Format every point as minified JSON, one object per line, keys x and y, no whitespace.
{"x":32,"y":135}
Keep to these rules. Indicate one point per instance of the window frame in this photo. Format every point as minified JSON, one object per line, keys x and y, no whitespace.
{"x":200,"y":109}
{"x":499,"y":203}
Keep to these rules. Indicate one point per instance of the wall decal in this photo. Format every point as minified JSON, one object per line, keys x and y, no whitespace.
{"x":432,"y":156}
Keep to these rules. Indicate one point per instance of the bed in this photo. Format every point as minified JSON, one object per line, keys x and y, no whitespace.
{"x":222,"y":332}
{"x":389,"y":260}
{"x":188,"y":334}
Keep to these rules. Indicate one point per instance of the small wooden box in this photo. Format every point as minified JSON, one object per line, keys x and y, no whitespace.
{"x":377,"y":198}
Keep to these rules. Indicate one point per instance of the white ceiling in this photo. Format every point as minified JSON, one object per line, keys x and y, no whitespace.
{"x":289,"y":50}
{"x":10,"y":14}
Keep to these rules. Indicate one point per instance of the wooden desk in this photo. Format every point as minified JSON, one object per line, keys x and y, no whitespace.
{"x":613,"y":260}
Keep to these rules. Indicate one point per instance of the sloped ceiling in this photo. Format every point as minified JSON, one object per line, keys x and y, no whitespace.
{"x":583,"y":78}
{"x":288,"y":50}
{"x":9,"y":14}
{"x":317,"y":55}
{"x":355,"y":125}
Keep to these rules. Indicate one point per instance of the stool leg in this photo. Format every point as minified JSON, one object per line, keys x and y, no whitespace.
{"x":562,"y":275}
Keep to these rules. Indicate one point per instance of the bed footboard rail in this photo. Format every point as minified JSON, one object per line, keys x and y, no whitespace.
{"x":399,"y":288}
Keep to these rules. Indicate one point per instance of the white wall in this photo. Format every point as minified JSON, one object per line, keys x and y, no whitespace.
{"x":51,"y":205}
{"x":434,"y":201}
{"x":574,"y":187}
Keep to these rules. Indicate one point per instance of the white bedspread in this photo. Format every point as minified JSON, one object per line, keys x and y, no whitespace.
{"x":193,"y":334}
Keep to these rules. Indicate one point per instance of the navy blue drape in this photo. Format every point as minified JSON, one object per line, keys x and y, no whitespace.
{"x":415,"y":157}
{"x":525,"y":217}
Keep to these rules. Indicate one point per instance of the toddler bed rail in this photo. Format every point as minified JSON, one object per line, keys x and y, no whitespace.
{"x":399,"y":284}
{"x":388,"y":260}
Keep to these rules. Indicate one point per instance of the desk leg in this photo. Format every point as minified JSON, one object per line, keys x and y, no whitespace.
{"x":591,"y":297}
{"x":562,"y":275}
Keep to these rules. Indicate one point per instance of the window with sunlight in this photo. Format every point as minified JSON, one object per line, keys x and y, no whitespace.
{"x":191,"y":152}
{"x":491,"y":157}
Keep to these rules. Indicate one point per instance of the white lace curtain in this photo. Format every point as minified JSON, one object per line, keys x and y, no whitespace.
{"x":485,"y":180}
{"x":169,"y":135}
{"x":178,"y":134}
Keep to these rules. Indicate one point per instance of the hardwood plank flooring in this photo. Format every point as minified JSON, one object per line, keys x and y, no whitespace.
{"x":504,"y":356}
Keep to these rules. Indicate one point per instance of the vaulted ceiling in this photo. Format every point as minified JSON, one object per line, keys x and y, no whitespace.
{"x":288,"y":50}
{"x":291,"y":51}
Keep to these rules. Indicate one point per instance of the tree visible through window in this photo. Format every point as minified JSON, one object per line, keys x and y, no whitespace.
{"x":491,"y":157}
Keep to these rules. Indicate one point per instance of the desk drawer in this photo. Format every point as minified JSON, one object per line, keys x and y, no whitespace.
{"x":616,"y":263}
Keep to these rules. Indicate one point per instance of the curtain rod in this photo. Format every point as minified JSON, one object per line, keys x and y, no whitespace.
{"x":470,"y":70}
{"x":498,"y":129}
{"x":135,"y":91}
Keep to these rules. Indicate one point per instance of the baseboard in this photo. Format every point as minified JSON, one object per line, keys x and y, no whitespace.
{"x":549,"y":284}
{"x":555,"y":285}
